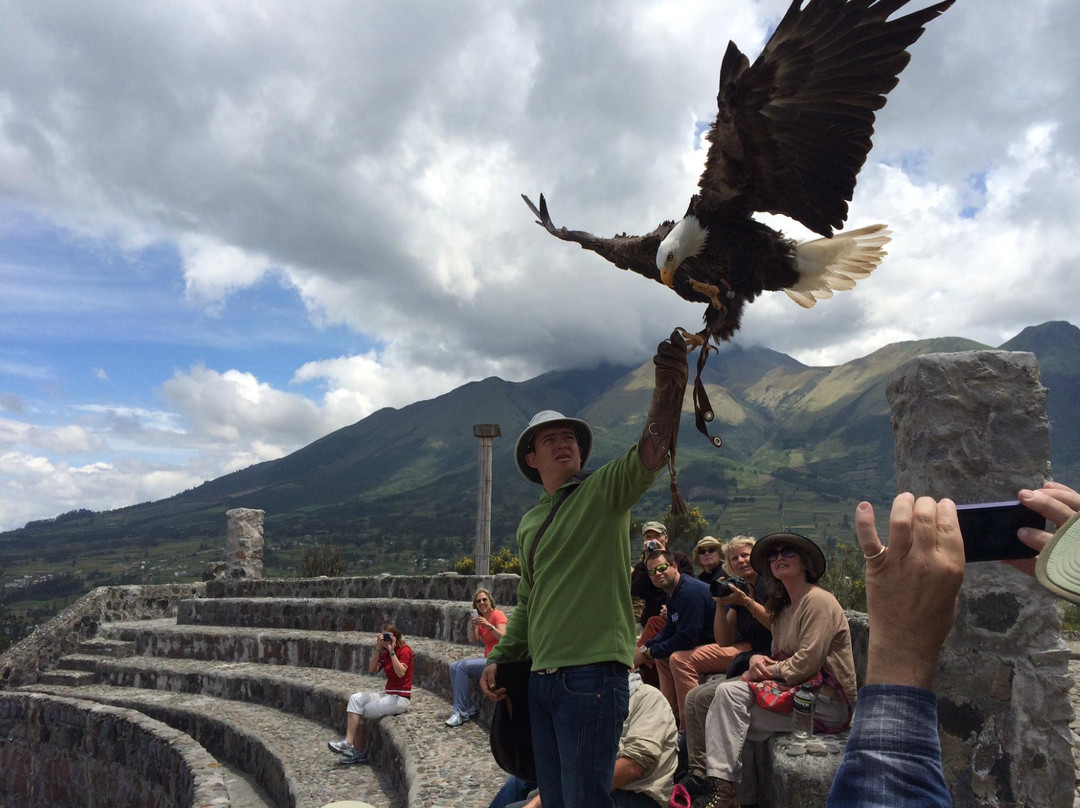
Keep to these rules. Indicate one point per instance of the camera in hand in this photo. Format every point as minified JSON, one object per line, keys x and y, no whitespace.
{"x":386,"y":636}
{"x":722,"y":587}
{"x":652,"y":545}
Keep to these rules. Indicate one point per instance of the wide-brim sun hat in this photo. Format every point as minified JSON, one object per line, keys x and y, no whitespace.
{"x":1058,"y":566}
{"x":548,"y":418}
{"x":759,"y":555}
{"x":708,"y":541}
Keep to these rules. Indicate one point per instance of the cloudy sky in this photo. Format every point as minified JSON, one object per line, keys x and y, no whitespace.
{"x":227,"y":229}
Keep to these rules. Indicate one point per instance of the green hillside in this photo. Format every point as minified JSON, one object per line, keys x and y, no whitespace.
{"x":397,"y":490}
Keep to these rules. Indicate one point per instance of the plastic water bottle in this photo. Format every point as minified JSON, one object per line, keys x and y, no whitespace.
{"x":802,"y":714}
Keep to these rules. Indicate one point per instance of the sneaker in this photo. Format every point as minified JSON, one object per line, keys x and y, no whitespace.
{"x":355,"y":756}
{"x":342,"y":747}
{"x":457,"y":719}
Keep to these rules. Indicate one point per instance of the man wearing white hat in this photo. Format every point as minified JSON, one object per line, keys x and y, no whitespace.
{"x":574,"y":614}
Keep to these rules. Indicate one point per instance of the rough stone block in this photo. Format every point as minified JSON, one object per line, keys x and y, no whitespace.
{"x":972,"y":426}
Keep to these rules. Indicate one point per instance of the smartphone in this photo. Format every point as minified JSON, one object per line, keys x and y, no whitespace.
{"x":475,"y":614}
{"x":989,"y":530}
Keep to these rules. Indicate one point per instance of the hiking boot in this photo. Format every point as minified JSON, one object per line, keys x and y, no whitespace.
{"x":342,"y":747}
{"x":356,"y":756}
{"x":722,"y":794}
{"x":457,"y":719}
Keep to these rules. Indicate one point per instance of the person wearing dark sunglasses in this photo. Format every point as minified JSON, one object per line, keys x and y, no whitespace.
{"x":810,"y":644}
{"x":689,"y":624}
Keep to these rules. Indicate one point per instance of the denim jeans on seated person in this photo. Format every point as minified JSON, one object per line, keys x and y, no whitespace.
{"x":577,"y":715}
{"x":513,"y":791}
{"x":463,"y":673}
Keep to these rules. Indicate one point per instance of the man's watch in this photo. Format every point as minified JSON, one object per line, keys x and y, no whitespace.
{"x":647,"y":652}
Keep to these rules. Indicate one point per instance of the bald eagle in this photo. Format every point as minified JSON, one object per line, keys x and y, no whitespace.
{"x":790,"y":135}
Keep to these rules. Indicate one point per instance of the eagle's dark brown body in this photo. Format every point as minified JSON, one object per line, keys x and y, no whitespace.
{"x":752,"y":259}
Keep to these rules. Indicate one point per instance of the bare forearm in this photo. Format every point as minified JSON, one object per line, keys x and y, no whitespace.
{"x":724,"y":631}
{"x":626,"y":771}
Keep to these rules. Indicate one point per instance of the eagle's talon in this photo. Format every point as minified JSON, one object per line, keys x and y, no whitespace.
{"x":693,"y":340}
{"x":710,"y":291}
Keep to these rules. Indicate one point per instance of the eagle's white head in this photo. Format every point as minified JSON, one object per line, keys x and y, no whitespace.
{"x":685,"y":240}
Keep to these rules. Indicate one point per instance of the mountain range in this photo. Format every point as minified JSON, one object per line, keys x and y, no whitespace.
{"x":811,"y":439}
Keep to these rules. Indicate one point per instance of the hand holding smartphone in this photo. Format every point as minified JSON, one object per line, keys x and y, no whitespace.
{"x":989,"y":530}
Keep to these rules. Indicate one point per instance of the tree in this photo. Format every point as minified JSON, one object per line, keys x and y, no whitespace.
{"x":322,"y":560}
{"x":684,"y":531}
{"x":501,"y":562}
{"x":845,"y":576}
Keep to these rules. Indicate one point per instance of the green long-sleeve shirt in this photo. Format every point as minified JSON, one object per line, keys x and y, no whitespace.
{"x":578,"y":609}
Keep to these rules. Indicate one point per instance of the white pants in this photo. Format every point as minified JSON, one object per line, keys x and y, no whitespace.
{"x":734,"y":718}
{"x":376,"y":705}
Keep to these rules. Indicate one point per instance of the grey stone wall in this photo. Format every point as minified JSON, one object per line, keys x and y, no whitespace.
{"x":65,"y":753}
{"x":447,"y":586}
{"x":972,"y":427}
{"x":23,"y":662}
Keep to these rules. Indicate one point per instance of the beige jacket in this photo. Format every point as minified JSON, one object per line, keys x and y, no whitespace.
{"x":650,"y":739}
{"x":814,"y":635}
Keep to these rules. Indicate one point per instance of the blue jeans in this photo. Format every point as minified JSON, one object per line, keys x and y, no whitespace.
{"x":462,"y":674}
{"x":514,"y":790}
{"x":577,"y":715}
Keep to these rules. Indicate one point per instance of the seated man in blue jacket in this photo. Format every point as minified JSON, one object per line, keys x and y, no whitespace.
{"x":690,"y":621}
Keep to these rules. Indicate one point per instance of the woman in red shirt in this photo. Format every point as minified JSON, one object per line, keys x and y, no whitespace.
{"x":487,"y":626}
{"x":395,"y":659}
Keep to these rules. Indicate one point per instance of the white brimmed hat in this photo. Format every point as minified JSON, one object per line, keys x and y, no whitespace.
{"x":547,"y":418}
{"x":1058,"y":566}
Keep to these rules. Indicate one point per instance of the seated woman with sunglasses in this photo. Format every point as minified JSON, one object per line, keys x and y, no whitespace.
{"x":811,"y":644}
{"x":486,"y":626}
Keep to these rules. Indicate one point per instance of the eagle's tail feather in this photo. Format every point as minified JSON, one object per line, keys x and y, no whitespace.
{"x":828,"y":265}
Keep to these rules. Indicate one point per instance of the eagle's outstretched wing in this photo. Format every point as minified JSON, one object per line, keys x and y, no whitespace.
{"x":793,"y":129}
{"x":636,"y":253}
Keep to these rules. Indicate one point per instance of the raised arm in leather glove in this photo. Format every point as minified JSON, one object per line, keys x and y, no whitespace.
{"x":661,"y":431}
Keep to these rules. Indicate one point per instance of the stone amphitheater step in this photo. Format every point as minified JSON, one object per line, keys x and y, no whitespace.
{"x":288,"y":752}
{"x":60,"y":751}
{"x":277,"y":747}
{"x":446,"y":620}
{"x":283,"y":648}
{"x":79,"y":662}
{"x":100,"y":646}
{"x":69,"y":678}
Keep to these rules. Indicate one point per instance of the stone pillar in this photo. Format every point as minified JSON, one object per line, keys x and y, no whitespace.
{"x":972,"y":426}
{"x":244,"y":543}
{"x":484,"y":433}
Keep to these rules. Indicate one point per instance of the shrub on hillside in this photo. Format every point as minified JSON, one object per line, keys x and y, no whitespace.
{"x":502,"y":562}
{"x":322,"y":560}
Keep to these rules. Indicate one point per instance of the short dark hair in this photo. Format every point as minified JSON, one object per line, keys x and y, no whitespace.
{"x":667,"y":555}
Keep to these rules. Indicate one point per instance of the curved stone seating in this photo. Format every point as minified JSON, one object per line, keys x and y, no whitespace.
{"x":296,"y":648}
{"x":275,"y":648}
{"x":204,"y":661}
{"x":285,"y":753}
{"x":69,"y":752}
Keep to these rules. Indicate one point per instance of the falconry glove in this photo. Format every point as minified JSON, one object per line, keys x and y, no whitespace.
{"x":661,"y":431}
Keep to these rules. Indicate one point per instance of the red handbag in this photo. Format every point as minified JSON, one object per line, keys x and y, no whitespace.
{"x":777,"y":697}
